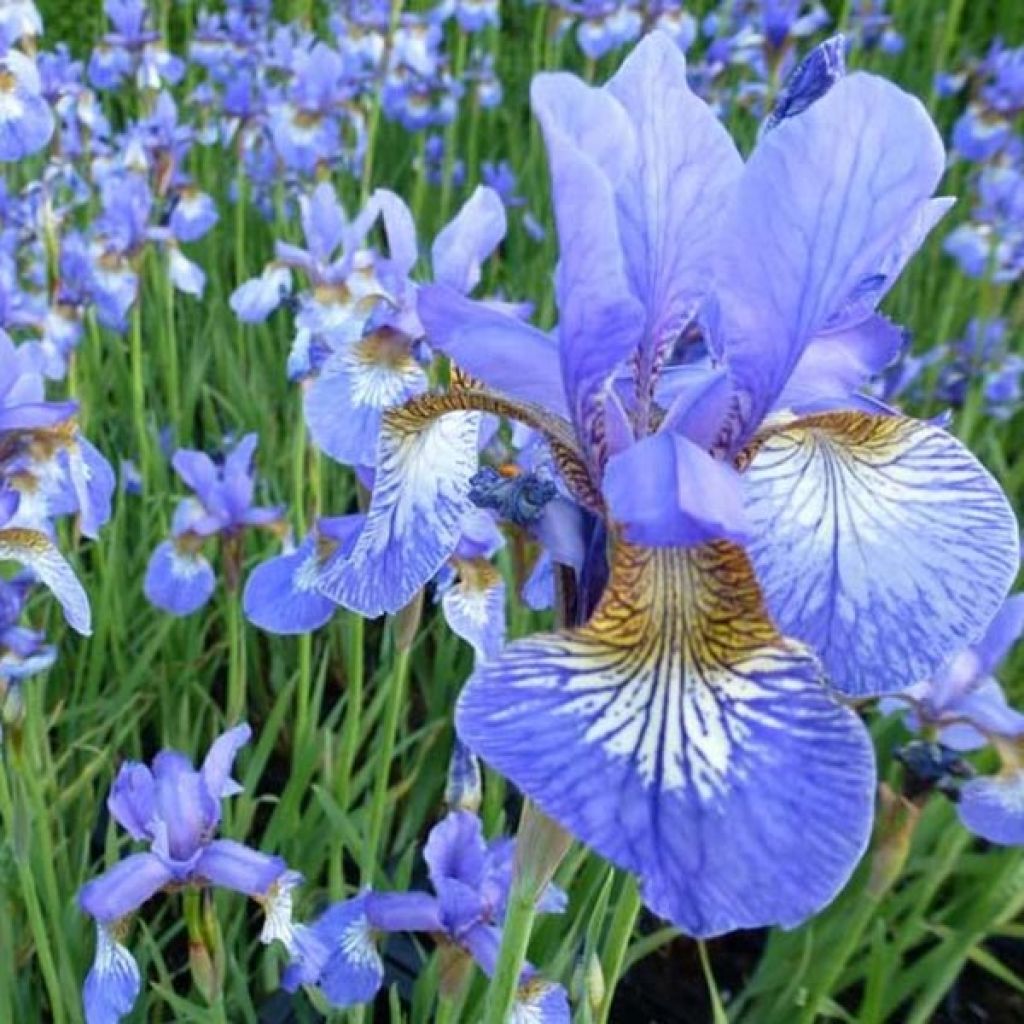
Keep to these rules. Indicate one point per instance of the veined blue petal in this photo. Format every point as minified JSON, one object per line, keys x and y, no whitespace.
{"x":474,"y":608}
{"x":993,"y":808}
{"x":344,"y":403}
{"x":512,"y":357}
{"x":684,"y":165}
{"x":540,"y":1002}
{"x":425,"y":461}
{"x":824,"y":208}
{"x":37,"y":552}
{"x":113,"y":982}
{"x":879,"y":541}
{"x":684,"y":739}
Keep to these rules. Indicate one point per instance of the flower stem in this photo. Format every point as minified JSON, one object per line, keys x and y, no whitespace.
{"x":139,"y":395}
{"x":236,"y":661}
{"x":619,"y":934}
{"x":396,"y":700}
{"x":515,"y":938}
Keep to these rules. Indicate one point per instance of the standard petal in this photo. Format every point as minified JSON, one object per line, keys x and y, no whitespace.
{"x":1003,"y":632}
{"x":684,"y":165}
{"x":825,"y":200}
{"x":684,"y":739}
{"x":220,"y":760}
{"x":132,"y":800}
{"x":37,"y":552}
{"x":588,"y":140}
{"x":455,"y":849}
{"x":665,"y":491}
{"x":178,"y":582}
{"x":879,"y":541}
{"x":125,"y":887}
{"x":512,"y":357}
{"x":425,"y":462}
{"x":344,"y":403}
{"x":235,"y":866}
{"x":472,"y":235}
{"x":993,"y":808}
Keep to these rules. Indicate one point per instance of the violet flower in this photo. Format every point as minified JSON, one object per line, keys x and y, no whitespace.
{"x":699,"y":397}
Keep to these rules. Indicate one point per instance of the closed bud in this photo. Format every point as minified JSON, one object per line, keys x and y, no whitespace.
{"x":593,"y":983}
{"x":894,"y":827}
{"x":464,"y":789}
{"x":541,"y":846}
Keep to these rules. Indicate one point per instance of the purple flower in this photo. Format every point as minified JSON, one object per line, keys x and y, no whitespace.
{"x":179,"y":579}
{"x":700,"y":401}
{"x":26,"y":120}
{"x":470,"y":877}
{"x":176,"y":810}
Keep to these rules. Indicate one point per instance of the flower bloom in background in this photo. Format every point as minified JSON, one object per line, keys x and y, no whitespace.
{"x":963,"y":708}
{"x":774,"y":540}
{"x":179,"y":578}
{"x":337,"y":953}
{"x":26,"y":120}
{"x":176,"y":810}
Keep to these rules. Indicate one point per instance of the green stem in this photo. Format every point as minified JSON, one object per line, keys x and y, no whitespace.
{"x":355,"y":668}
{"x":619,"y":934}
{"x":236,"y":661}
{"x":139,"y":394}
{"x":515,"y":938}
{"x":718,"y":1014}
{"x":170,"y":339}
{"x":378,"y":807}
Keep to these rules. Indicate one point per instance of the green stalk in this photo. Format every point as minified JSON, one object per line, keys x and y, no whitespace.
{"x":170,"y":340}
{"x":621,"y":931}
{"x":398,"y":684}
{"x":718,"y":1014}
{"x":236,"y":660}
{"x":451,"y":133}
{"x":139,"y":394}
{"x":350,"y":729}
{"x":515,"y":938}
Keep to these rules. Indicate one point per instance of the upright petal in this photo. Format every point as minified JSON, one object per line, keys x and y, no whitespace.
{"x":220,"y":759}
{"x":686,"y":740}
{"x":1003,"y":632}
{"x":36,"y":551}
{"x":468,"y":239}
{"x":879,"y":541}
{"x":824,"y":200}
{"x":132,"y":800}
{"x":684,"y":166}
{"x":425,"y":461}
{"x":600,"y":320}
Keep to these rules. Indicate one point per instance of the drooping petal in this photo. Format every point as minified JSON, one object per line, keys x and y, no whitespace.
{"x":36,"y":551}
{"x":353,"y":971}
{"x":113,"y":982}
{"x":665,"y":491}
{"x":236,"y":866}
{"x":684,"y":739}
{"x":474,"y":608}
{"x":124,"y":887}
{"x":512,"y":357}
{"x":589,"y":141}
{"x":220,"y":760}
{"x":993,"y":808}
{"x":403,"y":912}
{"x":823,"y":202}
{"x":253,"y":301}
{"x":344,"y":403}
{"x":281,"y":597}
{"x":179,"y":582}
{"x":540,"y":1002}
{"x":879,"y":541}
{"x":684,"y":165}
{"x":425,"y":461}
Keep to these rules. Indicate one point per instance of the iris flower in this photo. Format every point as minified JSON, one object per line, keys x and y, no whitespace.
{"x":470,"y":877}
{"x":175,"y":809}
{"x":773,"y":540}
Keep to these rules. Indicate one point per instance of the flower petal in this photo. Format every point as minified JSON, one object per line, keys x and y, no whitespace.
{"x":281,"y":597}
{"x":113,"y":982}
{"x":474,"y":608}
{"x":132,"y":800}
{"x":235,"y":866}
{"x":425,"y":461}
{"x":824,"y":201}
{"x":685,"y":740}
{"x":220,"y":760}
{"x":879,"y":541}
{"x":177,"y":581}
{"x":685,"y":164}
{"x":993,"y":808}
{"x":124,"y":887}
{"x":512,"y":357}
{"x":472,"y":235}
{"x":666,"y":491}
{"x":37,"y":552}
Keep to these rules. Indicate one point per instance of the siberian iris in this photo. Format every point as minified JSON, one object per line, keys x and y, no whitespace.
{"x":761,"y":540}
